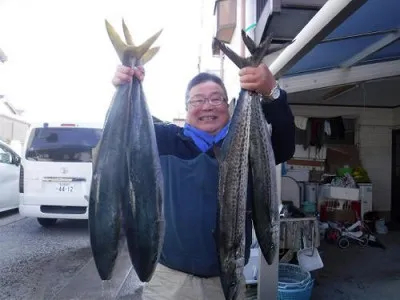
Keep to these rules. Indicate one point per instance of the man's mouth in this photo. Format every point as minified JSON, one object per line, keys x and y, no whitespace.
{"x":208,"y":118}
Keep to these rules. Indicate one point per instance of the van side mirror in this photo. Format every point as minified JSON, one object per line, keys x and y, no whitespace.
{"x":17,"y":160}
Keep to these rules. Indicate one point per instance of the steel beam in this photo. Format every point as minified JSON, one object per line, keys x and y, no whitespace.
{"x":336,"y":77}
{"x":371,"y":49}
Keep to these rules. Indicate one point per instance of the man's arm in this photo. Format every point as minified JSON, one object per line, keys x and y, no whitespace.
{"x":280,"y":116}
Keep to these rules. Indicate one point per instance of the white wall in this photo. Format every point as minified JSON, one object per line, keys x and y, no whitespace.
{"x":374,"y":140}
{"x":231,"y":71}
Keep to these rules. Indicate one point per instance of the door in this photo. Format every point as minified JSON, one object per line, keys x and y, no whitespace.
{"x":9,"y":179}
{"x":396,"y":175}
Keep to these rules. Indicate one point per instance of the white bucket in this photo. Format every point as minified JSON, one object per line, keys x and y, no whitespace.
{"x":309,"y":259}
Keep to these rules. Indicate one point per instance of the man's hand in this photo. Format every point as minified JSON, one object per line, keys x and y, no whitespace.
{"x":124,"y":74}
{"x":259,"y":79}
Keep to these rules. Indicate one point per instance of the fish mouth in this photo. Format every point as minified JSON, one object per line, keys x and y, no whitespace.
{"x":208,"y":118}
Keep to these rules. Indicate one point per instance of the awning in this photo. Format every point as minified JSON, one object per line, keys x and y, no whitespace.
{"x":347,"y":42}
{"x":370,"y":35}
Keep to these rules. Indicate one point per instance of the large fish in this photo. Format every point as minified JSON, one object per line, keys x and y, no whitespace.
{"x":113,"y":189}
{"x":247,"y":146}
{"x":265,"y":201}
{"x":233,"y":158}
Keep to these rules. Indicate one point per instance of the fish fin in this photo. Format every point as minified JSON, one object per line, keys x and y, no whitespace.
{"x":139,"y":51}
{"x":129,"y":50}
{"x":235,"y":58}
{"x":117,"y":42}
{"x":127,"y":34}
{"x":262,"y":50}
{"x":149,"y":55}
{"x":249,"y":43}
{"x":257,"y":52}
{"x":95,"y":153}
{"x":231,"y":106}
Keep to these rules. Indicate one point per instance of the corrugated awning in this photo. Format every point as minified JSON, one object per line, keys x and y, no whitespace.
{"x":370,"y":35}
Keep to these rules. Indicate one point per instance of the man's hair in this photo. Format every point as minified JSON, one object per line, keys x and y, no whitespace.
{"x":204,"y":77}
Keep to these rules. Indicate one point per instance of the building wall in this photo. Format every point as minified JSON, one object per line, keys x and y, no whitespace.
{"x":373,"y":131}
{"x":396,"y":117}
{"x":12,"y":127}
{"x":374,"y":140}
{"x":230,"y":70}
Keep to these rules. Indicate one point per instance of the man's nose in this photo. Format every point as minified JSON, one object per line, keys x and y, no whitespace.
{"x":207,"y":105}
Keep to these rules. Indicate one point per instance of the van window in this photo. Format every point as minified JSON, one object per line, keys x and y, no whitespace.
{"x":72,"y":144}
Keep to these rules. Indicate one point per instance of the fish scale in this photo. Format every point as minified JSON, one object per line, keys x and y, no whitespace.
{"x":247,"y":148}
{"x":127,"y":182}
{"x":265,"y":201}
{"x":232,"y":195}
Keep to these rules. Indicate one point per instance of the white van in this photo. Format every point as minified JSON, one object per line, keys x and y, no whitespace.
{"x":56,"y":171}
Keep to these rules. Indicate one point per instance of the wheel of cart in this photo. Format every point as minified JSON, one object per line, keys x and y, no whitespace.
{"x":363,"y":240}
{"x":343,"y":242}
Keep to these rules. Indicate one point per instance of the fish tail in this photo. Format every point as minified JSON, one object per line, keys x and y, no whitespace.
{"x":257,"y":52}
{"x":127,"y":48}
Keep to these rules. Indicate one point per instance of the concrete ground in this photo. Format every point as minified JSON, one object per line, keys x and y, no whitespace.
{"x":367,"y":273}
{"x":354,"y":273}
{"x":360,"y":273}
{"x":56,"y":263}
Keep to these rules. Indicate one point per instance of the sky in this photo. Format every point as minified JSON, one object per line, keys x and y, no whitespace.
{"x":61,"y":61}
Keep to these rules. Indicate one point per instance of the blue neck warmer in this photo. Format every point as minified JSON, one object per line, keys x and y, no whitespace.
{"x":203,"y":140}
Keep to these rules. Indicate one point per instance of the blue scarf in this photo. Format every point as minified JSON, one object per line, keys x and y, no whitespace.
{"x":203,"y":140}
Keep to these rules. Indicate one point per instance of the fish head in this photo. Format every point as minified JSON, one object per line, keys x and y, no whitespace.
{"x":232,"y":281}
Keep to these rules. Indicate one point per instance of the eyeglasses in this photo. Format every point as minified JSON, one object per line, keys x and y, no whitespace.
{"x":214,"y":100}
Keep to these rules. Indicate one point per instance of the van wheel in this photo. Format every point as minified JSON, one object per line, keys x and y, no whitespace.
{"x":45,"y":222}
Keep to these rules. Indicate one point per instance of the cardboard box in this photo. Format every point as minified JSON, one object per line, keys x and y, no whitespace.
{"x":339,"y":156}
{"x":341,"y":216}
{"x":342,"y":193}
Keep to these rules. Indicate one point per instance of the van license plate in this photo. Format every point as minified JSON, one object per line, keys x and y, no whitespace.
{"x":65,"y":187}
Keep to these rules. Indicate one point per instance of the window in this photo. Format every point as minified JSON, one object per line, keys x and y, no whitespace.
{"x":70,"y":144}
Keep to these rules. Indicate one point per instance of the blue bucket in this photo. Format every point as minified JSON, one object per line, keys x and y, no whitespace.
{"x":294,"y":283}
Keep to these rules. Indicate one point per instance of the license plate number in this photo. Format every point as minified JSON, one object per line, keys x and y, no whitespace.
{"x":65,"y":187}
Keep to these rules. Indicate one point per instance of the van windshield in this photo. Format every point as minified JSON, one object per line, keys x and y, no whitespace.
{"x":72,"y":144}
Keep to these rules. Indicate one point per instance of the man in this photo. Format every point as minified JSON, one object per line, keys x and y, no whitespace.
{"x":188,"y":266}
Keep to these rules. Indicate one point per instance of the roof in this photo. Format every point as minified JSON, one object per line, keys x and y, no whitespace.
{"x":370,"y":35}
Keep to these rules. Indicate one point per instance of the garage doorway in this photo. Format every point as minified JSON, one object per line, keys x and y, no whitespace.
{"x":396,"y":176}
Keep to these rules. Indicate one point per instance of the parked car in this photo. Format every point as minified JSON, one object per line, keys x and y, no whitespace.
{"x":56,"y":171}
{"x":9,"y":177}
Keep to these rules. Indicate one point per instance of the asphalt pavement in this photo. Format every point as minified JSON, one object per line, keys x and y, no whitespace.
{"x":55,"y":263}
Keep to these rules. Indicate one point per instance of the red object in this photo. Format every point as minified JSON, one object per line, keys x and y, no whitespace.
{"x":355,"y":206}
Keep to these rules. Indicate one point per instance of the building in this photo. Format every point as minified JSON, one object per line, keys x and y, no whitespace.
{"x":12,"y":125}
{"x":339,"y":65}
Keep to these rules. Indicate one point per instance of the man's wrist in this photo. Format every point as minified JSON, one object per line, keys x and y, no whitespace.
{"x":274,"y":94}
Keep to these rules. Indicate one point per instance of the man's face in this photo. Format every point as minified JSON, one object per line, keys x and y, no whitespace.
{"x":212,"y":115}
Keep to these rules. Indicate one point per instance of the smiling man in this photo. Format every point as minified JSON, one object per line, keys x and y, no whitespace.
{"x":188,"y":266}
